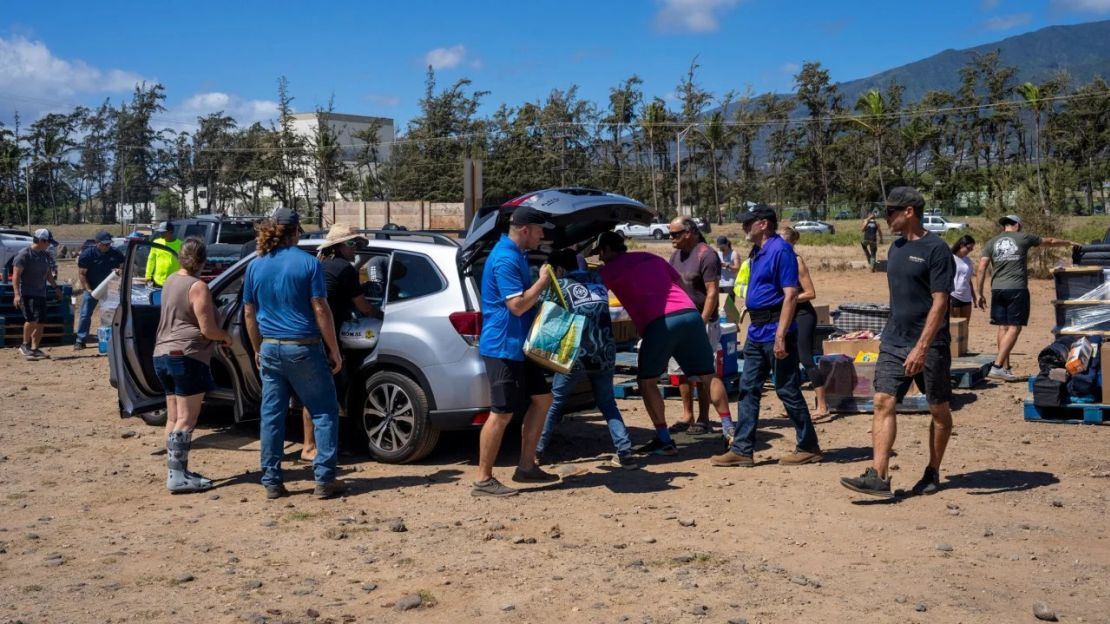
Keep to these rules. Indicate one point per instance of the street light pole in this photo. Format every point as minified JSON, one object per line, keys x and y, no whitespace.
{"x":678,"y":163}
{"x":27,"y":188}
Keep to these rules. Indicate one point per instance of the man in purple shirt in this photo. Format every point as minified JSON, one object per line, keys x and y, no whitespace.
{"x":770,"y":345}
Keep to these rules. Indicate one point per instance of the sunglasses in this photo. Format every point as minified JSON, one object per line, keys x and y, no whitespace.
{"x":351,"y":243}
{"x":677,"y":234}
{"x":893,"y":209}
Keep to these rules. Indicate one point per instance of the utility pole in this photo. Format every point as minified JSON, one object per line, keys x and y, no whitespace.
{"x":27,"y":188}
{"x":678,"y":163}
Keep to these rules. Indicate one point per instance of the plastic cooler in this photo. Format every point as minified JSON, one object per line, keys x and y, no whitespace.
{"x":727,"y":362}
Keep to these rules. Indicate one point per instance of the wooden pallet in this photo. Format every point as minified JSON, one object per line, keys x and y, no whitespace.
{"x":631,"y":388}
{"x":53,"y":334}
{"x":1073,"y":414}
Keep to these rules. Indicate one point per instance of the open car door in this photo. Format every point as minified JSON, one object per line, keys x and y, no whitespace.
{"x":134,"y":330}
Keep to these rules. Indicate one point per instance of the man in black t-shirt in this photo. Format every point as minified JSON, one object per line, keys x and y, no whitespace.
{"x":344,"y":295}
{"x":915,"y":342}
{"x":872,"y":238}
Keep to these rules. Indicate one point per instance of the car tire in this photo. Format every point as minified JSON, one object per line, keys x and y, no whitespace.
{"x":395,"y":419}
{"x":658,"y":235}
{"x":157,"y":418}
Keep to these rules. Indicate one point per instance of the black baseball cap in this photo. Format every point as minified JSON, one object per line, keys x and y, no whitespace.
{"x":168,"y":227}
{"x":527,"y":215}
{"x":759,"y":211}
{"x":905,"y":197}
{"x":103,"y":237}
{"x":285,"y":216}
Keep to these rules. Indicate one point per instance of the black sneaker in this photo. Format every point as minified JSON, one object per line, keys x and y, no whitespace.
{"x":657,"y":447}
{"x":40,"y":354}
{"x":79,"y":345}
{"x":534,"y":475}
{"x":929,"y":483}
{"x":492,"y":487}
{"x":869,"y":483}
{"x":25,"y":351}
{"x":627,"y":462}
{"x":276,"y":491}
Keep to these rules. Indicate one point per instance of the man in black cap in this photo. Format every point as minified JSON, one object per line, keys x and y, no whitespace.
{"x":515,"y":383}
{"x":915,"y":342}
{"x":94,"y":265}
{"x":160,"y":264}
{"x":771,"y":345}
{"x":32,"y":270}
{"x":289,"y":322}
{"x":1007,"y":257}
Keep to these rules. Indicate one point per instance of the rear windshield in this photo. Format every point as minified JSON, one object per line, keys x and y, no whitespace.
{"x":236,"y":233}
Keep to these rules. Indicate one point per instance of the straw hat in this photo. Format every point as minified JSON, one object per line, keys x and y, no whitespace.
{"x":340,"y":233}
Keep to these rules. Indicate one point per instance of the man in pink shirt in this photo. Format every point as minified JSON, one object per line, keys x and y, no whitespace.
{"x":669,"y":324}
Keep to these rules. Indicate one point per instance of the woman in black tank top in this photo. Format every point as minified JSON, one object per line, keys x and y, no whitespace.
{"x":806,"y":318}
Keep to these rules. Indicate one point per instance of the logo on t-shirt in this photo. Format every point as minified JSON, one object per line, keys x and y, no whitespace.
{"x":1006,"y":250}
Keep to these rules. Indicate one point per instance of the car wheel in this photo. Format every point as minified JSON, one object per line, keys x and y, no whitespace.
{"x":157,"y":418}
{"x":395,"y":419}
{"x":658,"y":235}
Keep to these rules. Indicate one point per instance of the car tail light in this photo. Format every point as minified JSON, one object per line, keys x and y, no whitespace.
{"x":468,"y":324}
{"x":480,"y":418}
{"x":512,"y":203}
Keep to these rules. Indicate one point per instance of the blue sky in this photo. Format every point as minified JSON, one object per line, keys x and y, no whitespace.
{"x":372,"y":55}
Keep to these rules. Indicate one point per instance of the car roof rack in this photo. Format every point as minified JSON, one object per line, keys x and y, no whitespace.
{"x":439,"y":238}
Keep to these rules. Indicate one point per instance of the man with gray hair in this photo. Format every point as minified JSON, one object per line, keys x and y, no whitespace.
{"x":31,"y":271}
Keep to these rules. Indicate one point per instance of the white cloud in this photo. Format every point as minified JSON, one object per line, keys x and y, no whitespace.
{"x":183,"y":116}
{"x":383,"y":100}
{"x":790,"y":68}
{"x":691,"y":16}
{"x":1083,"y":6}
{"x":1006,"y":22}
{"x":29,"y":70}
{"x":445,"y":58}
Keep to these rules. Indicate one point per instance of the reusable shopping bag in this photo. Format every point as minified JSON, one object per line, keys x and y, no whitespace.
{"x":556,"y":333}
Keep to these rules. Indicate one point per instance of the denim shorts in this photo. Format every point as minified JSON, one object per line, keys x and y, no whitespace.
{"x":681,"y":335}
{"x":182,"y":375}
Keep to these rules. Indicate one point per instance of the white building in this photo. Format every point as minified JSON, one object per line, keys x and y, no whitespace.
{"x":344,"y":127}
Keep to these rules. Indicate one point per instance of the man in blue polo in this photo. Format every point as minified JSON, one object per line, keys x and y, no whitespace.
{"x":515,"y":384}
{"x":289,"y":322}
{"x":770,"y":345}
{"x":94,"y":265}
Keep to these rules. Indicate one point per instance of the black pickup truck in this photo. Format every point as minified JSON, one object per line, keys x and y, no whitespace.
{"x":228,"y":238}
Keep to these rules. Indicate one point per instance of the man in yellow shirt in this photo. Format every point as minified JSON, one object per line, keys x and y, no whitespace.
{"x":161,"y":264}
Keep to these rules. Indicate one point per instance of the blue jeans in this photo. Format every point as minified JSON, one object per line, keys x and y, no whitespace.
{"x":759,"y":361}
{"x":302,"y":369}
{"x":602,"y":384}
{"x":88,"y":304}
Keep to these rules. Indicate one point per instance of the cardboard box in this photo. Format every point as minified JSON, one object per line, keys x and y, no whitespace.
{"x":1104,"y":355}
{"x":957,"y":328}
{"x":850,"y":347}
{"x":822,"y":310}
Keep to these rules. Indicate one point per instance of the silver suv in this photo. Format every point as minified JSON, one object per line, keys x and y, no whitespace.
{"x":423,"y":376}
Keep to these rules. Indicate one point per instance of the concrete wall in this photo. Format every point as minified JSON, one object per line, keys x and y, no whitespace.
{"x":415,"y":215}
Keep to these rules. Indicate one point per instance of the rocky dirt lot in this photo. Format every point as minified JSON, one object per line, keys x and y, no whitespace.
{"x":89,"y":534}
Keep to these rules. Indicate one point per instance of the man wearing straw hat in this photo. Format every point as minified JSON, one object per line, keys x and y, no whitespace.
{"x":336,"y":255}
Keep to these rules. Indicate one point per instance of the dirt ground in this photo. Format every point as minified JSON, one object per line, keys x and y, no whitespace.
{"x":88,"y":532}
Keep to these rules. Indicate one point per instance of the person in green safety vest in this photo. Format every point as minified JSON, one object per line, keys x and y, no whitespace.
{"x":161,"y":263}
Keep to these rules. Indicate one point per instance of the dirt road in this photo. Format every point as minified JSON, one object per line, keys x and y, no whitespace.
{"x":89,"y":534}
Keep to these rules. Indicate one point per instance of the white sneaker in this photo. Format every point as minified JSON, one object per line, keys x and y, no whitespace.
{"x":1003,"y":374}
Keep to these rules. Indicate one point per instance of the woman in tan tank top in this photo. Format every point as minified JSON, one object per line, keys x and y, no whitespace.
{"x":187,"y":332}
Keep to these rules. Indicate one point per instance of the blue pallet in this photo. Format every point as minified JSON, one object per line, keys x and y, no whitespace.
{"x":631,"y":389}
{"x":1074,"y":413}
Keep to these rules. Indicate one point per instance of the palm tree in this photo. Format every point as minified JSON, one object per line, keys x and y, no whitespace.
{"x":654,"y":115}
{"x":873,"y":106}
{"x":717,"y":136}
{"x":1035,"y":98}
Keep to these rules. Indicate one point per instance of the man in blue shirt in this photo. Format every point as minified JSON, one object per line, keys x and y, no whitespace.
{"x":516,"y":384}
{"x":772,"y":293}
{"x":289,"y":323}
{"x":94,"y":265}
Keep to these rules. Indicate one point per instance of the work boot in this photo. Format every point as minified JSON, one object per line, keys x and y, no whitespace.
{"x":799,"y":457}
{"x":729,"y":459}
{"x":179,"y":480}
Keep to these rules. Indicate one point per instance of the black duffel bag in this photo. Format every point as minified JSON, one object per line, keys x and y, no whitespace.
{"x":1048,"y":392}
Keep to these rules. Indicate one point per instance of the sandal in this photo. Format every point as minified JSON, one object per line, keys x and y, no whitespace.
{"x":697,"y":429}
{"x":679,"y":427}
{"x":823,"y":417}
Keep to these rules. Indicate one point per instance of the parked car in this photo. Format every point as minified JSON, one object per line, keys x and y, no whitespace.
{"x":655,"y":230}
{"x":424,"y":375}
{"x":10,"y":244}
{"x":936,"y":223}
{"x":228,"y":239}
{"x":819,"y":227}
{"x":704,"y":226}
{"x":842,"y":215}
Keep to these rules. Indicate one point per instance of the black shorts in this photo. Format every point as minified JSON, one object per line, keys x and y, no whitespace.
{"x":1010,"y":307}
{"x":181,"y":375}
{"x":513,"y":383}
{"x":33,"y":308}
{"x":935,"y":381}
